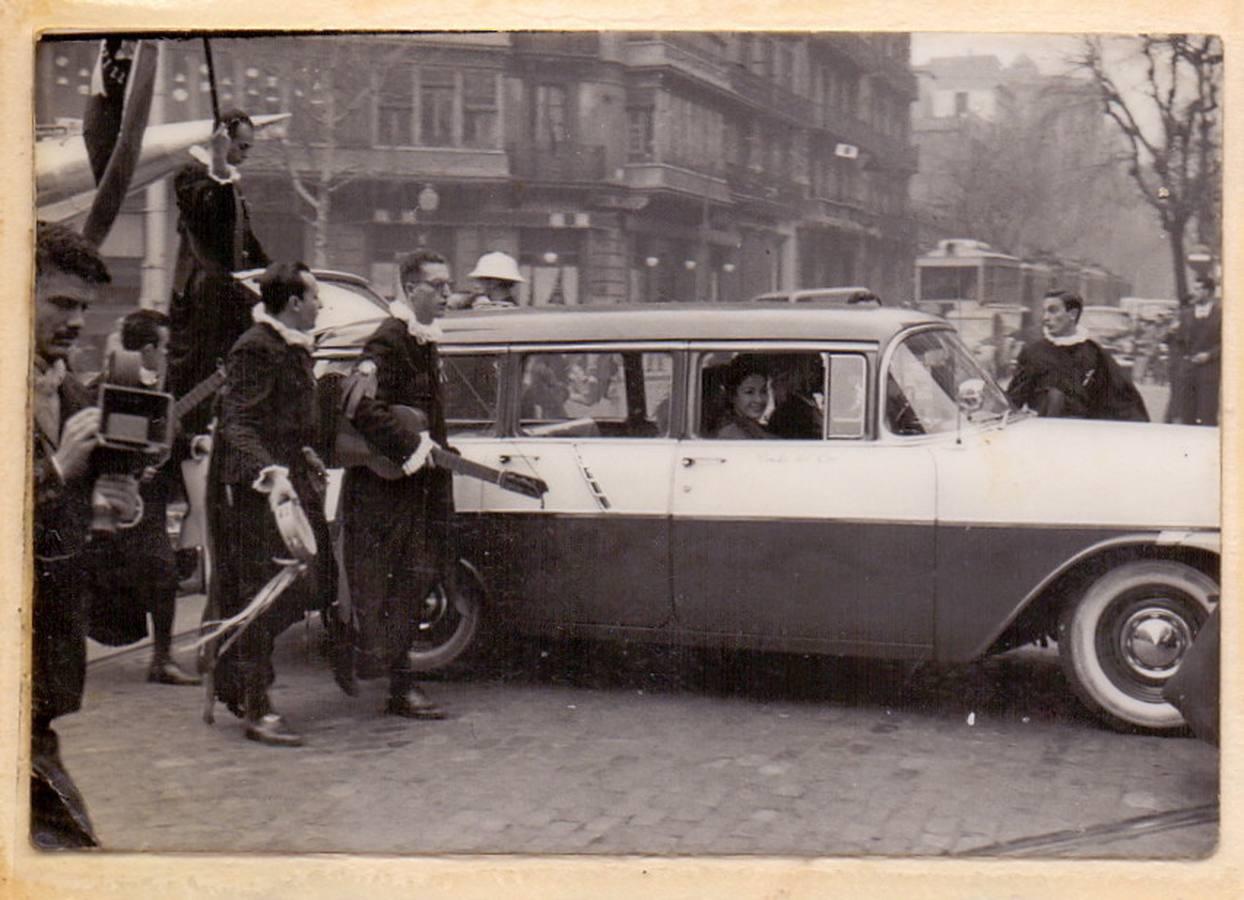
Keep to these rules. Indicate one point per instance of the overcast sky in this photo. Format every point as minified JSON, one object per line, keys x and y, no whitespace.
{"x":1046,"y":50}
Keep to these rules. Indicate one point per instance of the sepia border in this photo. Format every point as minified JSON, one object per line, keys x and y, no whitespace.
{"x":26,"y":873}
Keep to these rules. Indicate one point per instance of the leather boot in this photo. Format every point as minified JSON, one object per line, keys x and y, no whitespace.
{"x":407,"y":700}
{"x":165,"y":671}
{"x":265,"y":725}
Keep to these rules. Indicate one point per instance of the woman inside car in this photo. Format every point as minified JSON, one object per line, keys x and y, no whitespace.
{"x":746,"y":383}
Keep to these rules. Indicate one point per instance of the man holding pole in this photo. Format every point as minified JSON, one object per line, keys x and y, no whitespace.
{"x":209,"y":310}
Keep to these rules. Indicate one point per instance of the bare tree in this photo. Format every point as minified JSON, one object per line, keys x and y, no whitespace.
{"x":1171,"y":128}
{"x":331,"y":85}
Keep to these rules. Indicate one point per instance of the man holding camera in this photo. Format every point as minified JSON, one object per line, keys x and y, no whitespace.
{"x":68,"y":493}
{"x":135,"y":571}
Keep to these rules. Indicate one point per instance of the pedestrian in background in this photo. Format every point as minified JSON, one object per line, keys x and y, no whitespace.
{"x":498,"y":277}
{"x":1197,"y":342}
{"x":1066,"y":373}
{"x":69,"y":275}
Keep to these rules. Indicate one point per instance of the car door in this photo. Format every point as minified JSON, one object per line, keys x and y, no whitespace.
{"x":824,"y":543}
{"x":593,"y":423}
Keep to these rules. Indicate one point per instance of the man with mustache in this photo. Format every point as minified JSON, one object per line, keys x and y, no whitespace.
{"x":69,"y":275}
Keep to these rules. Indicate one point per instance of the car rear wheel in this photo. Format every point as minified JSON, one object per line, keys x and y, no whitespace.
{"x":449,"y":620}
{"x":1124,"y":639}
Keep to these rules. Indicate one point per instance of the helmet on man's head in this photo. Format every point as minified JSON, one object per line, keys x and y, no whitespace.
{"x":500,"y":266}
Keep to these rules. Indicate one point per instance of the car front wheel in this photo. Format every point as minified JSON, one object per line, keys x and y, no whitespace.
{"x":1124,"y":639}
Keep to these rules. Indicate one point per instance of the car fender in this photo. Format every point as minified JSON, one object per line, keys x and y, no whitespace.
{"x":1207,"y":541}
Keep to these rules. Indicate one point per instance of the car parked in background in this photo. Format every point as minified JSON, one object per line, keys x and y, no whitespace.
{"x":842,"y":295}
{"x":1113,"y":328}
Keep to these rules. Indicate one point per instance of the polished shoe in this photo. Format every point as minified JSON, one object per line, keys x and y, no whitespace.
{"x":272,"y":729}
{"x":168,"y":672}
{"x":413,"y":704}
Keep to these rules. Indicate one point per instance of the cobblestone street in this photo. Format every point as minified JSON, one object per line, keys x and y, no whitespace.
{"x":563,"y":748}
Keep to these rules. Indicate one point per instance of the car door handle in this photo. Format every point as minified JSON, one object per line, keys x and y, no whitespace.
{"x":507,"y":458}
{"x":689,"y":461}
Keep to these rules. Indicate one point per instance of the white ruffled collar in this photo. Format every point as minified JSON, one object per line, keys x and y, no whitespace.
{"x":1079,"y":336}
{"x":291,"y":336}
{"x":424,"y":334}
{"x":201,"y":154}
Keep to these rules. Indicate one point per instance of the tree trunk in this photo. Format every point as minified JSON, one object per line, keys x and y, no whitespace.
{"x":1175,"y":235}
{"x":322,"y":211}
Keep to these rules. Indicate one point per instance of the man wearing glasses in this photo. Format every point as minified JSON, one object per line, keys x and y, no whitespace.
{"x":396,"y":532}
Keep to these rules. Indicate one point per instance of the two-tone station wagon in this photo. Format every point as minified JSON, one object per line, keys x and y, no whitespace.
{"x":917,"y":515}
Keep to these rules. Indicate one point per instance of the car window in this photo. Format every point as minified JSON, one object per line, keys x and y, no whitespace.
{"x":766,"y":395}
{"x":469,"y":392}
{"x":934,"y":384}
{"x":343,"y":304}
{"x":590,"y":394}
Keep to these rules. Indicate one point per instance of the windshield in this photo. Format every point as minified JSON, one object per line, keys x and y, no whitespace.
{"x":934,"y":385}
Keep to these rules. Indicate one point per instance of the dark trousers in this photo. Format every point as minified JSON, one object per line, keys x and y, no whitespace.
{"x":133,"y":572}
{"x":394,"y":557}
{"x":244,"y":541}
{"x":58,"y":817}
{"x":1200,"y":394}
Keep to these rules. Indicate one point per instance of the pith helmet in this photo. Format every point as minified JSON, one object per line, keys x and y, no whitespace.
{"x":500,"y":266}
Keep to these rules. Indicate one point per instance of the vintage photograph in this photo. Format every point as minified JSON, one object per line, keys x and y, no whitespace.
{"x":612,"y":443}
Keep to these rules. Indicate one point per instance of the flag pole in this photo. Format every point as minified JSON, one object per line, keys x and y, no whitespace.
{"x":211,"y":80}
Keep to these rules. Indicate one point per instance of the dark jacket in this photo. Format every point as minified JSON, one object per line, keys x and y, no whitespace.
{"x":208,"y":310}
{"x":62,"y":521}
{"x":407,"y":373}
{"x":1092,"y":384}
{"x":268,"y":409}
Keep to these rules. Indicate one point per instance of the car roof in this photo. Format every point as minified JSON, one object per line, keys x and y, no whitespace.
{"x":690,"y":322}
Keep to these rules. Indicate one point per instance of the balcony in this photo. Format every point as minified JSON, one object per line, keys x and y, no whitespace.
{"x":558,"y":43}
{"x":651,"y":175}
{"x":749,"y":183}
{"x":564,"y":163}
{"x":412,"y":162}
{"x":769,"y":95}
{"x":670,"y":52}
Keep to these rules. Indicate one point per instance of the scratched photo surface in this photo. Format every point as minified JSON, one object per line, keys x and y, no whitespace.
{"x":814,"y":441}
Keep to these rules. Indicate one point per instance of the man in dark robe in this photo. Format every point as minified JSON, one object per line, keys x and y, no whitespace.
{"x":396,"y":536}
{"x":268,"y":419}
{"x":1067,"y":374}
{"x":1197,"y":341}
{"x":209,"y":310}
{"x":69,"y":274}
{"x":134,"y":571}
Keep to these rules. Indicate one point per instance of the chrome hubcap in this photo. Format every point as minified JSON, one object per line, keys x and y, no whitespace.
{"x":435,"y":606}
{"x":1153,"y":642}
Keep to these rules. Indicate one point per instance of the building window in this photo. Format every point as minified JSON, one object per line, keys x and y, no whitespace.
{"x":395,"y":108}
{"x":551,"y":127}
{"x":639,"y":134}
{"x":436,"y":108}
{"x":961,"y":103}
{"x":479,"y":109}
{"x":695,"y":138}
